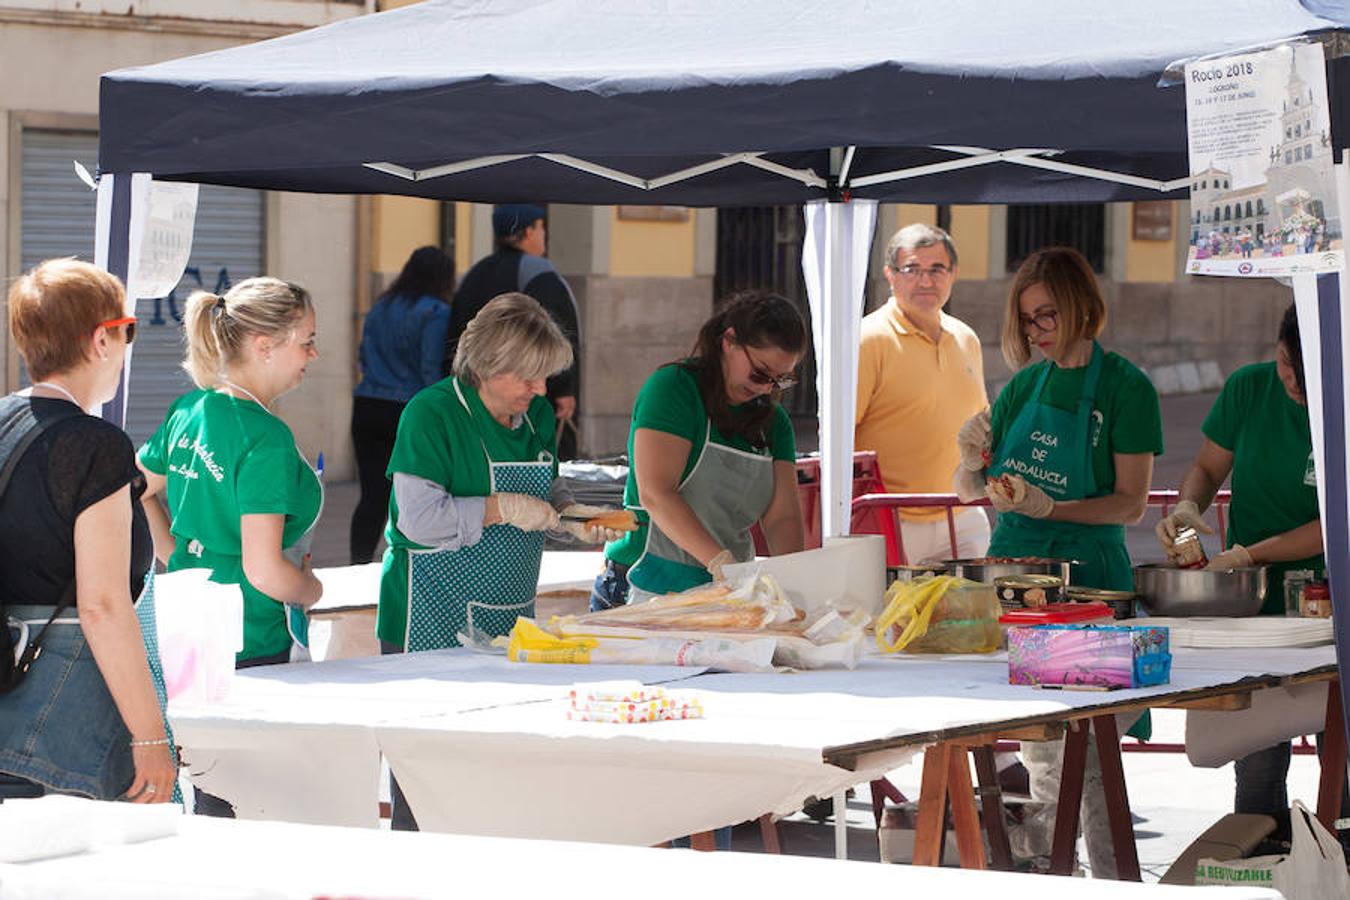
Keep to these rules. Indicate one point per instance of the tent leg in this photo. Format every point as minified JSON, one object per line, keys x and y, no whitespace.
{"x":112,"y":242}
{"x":834,"y":263}
{"x":1336,"y":513}
{"x":836,"y":435}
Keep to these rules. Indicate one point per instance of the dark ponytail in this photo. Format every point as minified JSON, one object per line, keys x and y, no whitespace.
{"x":757,"y":319}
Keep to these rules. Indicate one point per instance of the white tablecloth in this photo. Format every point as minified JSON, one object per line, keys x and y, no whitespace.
{"x":358,"y":587}
{"x":221,"y":859}
{"x":299,"y":742}
{"x":482,"y":746}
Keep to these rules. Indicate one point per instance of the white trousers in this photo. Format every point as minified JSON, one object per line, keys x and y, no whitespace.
{"x":931,"y":542}
{"x":1045,"y":764}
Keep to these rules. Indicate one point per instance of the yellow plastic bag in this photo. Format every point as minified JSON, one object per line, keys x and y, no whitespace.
{"x":530,"y":643}
{"x":941,"y":614}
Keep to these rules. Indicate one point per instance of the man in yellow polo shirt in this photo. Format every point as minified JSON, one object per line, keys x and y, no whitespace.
{"x":920,"y":377}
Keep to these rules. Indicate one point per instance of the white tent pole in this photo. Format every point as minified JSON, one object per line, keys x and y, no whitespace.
{"x":836,"y":435}
{"x":834,"y":267}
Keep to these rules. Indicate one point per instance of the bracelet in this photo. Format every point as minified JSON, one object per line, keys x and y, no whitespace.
{"x":161,"y":742}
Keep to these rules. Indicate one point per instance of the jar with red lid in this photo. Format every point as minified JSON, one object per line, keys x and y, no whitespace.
{"x":1315,"y":600}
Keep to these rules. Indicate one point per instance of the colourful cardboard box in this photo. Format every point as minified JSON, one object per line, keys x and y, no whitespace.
{"x":1099,"y":656}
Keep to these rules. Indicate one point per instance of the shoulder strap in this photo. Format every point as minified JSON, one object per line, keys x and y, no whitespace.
{"x":18,"y":431}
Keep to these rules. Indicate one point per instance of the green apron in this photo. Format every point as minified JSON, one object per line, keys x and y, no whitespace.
{"x":728,"y":490}
{"x":1050,"y":448}
{"x":481,"y":589}
{"x":145,"y":617}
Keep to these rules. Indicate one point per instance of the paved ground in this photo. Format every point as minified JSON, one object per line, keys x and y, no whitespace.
{"x":1173,"y":802}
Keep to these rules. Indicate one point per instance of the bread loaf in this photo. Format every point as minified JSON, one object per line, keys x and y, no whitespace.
{"x":615,"y":519}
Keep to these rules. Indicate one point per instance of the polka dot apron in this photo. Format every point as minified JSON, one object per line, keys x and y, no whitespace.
{"x":482,"y":589}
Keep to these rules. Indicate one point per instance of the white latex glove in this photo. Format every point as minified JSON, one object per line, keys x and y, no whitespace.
{"x":715,"y":564}
{"x":1037,"y":504}
{"x":526,"y":513}
{"x":968,"y":484}
{"x":588,"y":534}
{"x":973,"y":440}
{"x":1235,"y":557}
{"x":1185,"y":513}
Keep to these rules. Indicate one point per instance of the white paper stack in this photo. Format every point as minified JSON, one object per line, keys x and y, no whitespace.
{"x":1255,"y":631}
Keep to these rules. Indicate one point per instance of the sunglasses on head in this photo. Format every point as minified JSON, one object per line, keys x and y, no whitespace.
{"x":128,"y":321}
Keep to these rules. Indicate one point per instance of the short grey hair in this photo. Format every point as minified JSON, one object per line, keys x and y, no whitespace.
{"x":912,"y":237}
{"x":511,"y":334}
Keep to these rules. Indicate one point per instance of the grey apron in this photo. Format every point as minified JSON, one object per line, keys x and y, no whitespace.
{"x":728,"y":490}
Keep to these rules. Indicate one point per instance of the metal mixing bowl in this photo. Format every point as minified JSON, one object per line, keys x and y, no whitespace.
{"x":1165,"y":590}
{"x":977,"y":570}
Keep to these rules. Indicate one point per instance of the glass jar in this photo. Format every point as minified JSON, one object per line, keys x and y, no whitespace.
{"x":1294,"y":580}
{"x":1314,"y":601}
{"x":1188,"y":551}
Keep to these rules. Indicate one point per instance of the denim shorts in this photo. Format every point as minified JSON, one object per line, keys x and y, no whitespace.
{"x":60,"y":727}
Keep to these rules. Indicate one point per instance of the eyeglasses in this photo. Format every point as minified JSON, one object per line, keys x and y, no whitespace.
{"x":760,"y":375}
{"x":914,"y":271}
{"x":128,"y":321}
{"x":1044,"y":321}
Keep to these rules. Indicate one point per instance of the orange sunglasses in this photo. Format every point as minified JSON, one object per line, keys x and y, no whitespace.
{"x":128,"y":321}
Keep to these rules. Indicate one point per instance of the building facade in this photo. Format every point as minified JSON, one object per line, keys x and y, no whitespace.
{"x":54,"y":52}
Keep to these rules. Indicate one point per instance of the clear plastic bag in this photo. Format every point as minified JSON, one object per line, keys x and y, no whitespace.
{"x":941,"y":614}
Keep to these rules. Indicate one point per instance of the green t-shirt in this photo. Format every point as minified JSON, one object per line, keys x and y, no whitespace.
{"x":1274,"y":481}
{"x":223,"y":458}
{"x":1126,"y":417}
{"x":443,"y":442}
{"x":669,"y":402}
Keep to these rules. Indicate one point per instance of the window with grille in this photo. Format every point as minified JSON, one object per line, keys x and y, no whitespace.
{"x":760,"y":248}
{"x":1032,"y":227}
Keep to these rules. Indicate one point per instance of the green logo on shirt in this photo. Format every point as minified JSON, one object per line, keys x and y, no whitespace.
{"x":1310,"y":473}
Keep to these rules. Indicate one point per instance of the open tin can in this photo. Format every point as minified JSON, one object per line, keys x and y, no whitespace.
{"x":1018,"y":591}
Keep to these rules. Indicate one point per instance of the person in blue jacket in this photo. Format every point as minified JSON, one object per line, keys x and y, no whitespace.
{"x":402,"y":343}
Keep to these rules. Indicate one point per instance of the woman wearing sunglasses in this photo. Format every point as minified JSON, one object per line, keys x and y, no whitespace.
{"x":712,"y":454}
{"x":1079,"y":429}
{"x":75,"y":550}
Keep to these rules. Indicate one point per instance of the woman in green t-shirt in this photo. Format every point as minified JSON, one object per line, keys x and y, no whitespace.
{"x":712,"y":454}
{"x":475,"y":485}
{"x":241,"y":500}
{"x":1258,"y":432}
{"x":1080,"y":428}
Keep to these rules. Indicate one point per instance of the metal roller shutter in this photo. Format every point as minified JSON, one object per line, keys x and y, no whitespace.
{"x":58,"y":220}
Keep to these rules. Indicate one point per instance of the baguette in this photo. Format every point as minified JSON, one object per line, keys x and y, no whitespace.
{"x":615,"y":520}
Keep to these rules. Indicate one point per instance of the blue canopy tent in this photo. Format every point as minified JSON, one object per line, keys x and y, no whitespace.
{"x":752,"y":102}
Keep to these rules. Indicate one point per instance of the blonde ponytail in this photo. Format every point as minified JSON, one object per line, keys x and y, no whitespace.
{"x":218,"y":327}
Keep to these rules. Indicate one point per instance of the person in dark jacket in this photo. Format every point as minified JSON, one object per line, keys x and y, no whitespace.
{"x":401,"y":345}
{"x":518,"y":264}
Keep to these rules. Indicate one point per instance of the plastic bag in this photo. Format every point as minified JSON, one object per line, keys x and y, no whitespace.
{"x":1313,"y":870}
{"x":749,"y":603}
{"x":530,"y":643}
{"x":940,"y":614}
